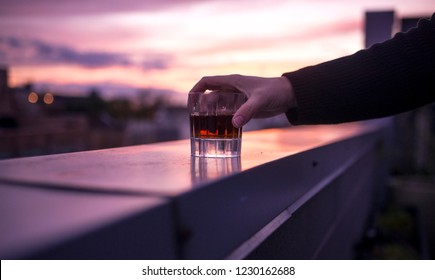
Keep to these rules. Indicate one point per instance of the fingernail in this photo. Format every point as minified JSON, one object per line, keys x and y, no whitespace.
{"x":238,"y":121}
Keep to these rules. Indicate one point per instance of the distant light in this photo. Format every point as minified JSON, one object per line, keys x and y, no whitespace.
{"x":48,"y":98}
{"x":32,"y":97}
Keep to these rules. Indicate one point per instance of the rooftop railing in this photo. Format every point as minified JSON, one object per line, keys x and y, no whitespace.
{"x":298,"y":193}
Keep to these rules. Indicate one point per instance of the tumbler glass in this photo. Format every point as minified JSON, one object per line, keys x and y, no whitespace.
{"x":211,"y":128}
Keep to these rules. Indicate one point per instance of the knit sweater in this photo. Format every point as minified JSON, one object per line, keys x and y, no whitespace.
{"x":388,"y":78}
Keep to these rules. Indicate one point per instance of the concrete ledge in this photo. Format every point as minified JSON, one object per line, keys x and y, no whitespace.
{"x":299,"y":186}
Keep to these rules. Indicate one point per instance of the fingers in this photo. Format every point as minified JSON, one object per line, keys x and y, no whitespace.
{"x":228,"y":82}
{"x":233,"y":83}
{"x":200,"y":86}
{"x":246,"y":112}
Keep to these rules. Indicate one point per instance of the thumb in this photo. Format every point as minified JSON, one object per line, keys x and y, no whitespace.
{"x":246,"y":112}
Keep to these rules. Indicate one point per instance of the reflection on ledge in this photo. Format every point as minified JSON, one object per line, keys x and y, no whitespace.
{"x":203,"y":169}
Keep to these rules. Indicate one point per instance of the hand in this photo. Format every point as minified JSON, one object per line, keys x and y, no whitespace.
{"x":267,"y":97}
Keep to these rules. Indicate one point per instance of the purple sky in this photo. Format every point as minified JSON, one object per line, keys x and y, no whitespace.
{"x":171,"y":44}
{"x":80,"y":7}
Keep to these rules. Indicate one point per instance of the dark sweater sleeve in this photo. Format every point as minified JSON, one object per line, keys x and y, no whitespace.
{"x":388,"y":78}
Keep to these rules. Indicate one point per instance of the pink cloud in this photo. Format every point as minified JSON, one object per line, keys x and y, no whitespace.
{"x":61,"y":7}
{"x":306,"y":34}
{"x":18,"y":51}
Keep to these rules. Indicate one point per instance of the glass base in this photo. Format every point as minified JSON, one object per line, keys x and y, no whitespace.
{"x":222,"y":148}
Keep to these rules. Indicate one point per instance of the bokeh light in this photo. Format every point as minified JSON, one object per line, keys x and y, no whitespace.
{"x":48,"y":98}
{"x":33,"y":97}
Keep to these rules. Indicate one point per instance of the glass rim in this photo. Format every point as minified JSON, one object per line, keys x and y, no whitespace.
{"x":217,"y":91}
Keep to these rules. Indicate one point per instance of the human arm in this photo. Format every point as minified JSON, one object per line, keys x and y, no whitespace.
{"x":388,"y":78}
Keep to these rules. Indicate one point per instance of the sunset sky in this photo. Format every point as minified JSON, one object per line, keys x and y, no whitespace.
{"x":122,"y":46}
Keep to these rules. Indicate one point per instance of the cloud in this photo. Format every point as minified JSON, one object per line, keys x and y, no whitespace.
{"x":294,"y":36}
{"x":64,"y":7}
{"x":337,"y":27}
{"x":18,"y":51}
{"x":155,"y":63}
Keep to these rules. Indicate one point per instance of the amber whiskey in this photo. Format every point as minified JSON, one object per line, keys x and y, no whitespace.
{"x":214,"y":127}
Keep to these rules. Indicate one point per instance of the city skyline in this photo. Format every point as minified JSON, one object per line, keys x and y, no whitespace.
{"x":123,"y":46}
